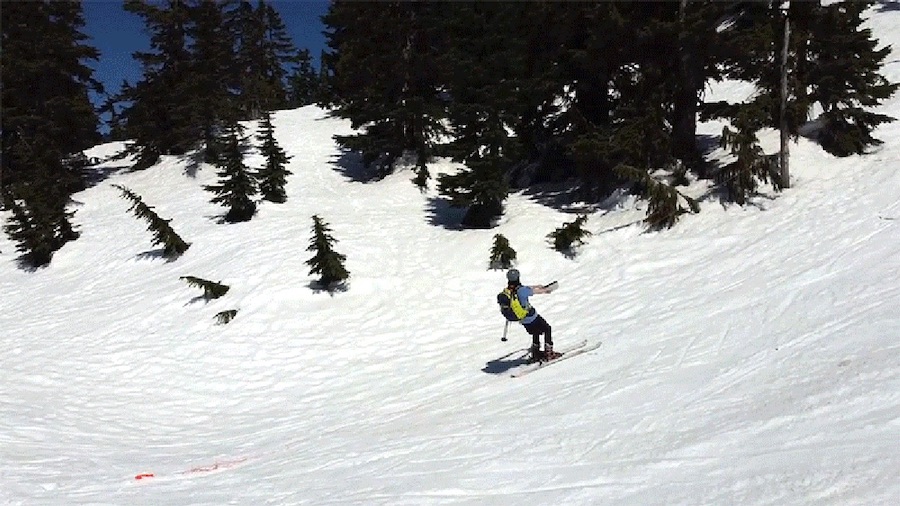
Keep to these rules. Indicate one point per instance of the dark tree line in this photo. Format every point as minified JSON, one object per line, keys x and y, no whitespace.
{"x":607,"y":94}
{"x":47,"y":120}
{"x":210,"y":65}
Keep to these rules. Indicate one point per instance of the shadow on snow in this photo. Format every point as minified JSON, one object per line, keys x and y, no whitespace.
{"x":506,"y":363}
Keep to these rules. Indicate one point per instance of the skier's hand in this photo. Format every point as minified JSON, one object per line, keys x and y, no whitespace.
{"x":545,"y":288}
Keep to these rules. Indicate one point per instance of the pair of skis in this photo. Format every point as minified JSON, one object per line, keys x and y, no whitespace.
{"x":565,"y":353}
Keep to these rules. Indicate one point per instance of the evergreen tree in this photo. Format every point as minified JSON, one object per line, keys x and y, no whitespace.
{"x":237,"y":185}
{"x":163,"y":233}
{"x":303,"y":82}
{"x":326,"y":262}
{"x":326,"y":94}
{"x":832,"y":61}
{"x":160,"y":118}
{"x":388,"y":86}
{"x":502,"y":254}
{"x":480,"y":189}
{"x":211,"y":50}
{"x":739,"y":177}
{"x":485,"y":109}
{"x":264,"y":52}
{"x":211,"y":289}
{"x":36,"y":237}
{"x":247,"y":30}
{"x":112,"y":107}
{"x":663,"y":203}
{"x":47,"y":119}
{"x":844,"y":78}
{"x":280,"y":53}
{"x":569,"y":235}
{"x":272,"y":177}
{"x":697,"y":39}
{"x":224,"y":317}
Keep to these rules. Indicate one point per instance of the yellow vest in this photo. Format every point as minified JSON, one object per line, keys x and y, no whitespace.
{"x":510,"y":305}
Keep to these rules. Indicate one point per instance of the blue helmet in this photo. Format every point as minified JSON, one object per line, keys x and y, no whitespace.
{"x":512,"y":276}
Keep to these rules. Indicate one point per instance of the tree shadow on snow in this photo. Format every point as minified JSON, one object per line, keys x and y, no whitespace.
{"x":332,"y":288}
{"x":706,"y":144}
{"x":350,"y":165}
{"x":155,"y":254}
{"x":889,"y":5}
{"x":442,"y":214}
{"x":99,"y":172}
{"x":563,"y":197}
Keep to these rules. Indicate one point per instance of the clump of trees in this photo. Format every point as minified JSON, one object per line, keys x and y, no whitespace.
{"x":46,"y":121}
{"x":606,"y":94}
{"x":209,"y":65}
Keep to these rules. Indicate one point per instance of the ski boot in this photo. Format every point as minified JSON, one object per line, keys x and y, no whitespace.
{"x":549,"y":354}
{"x":535,"y":354}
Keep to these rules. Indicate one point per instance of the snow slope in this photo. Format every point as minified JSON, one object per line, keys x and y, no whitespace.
{"x":750,"y":354}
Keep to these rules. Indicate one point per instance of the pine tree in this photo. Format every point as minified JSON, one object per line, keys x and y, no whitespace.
{"x":36,"y":238}
{"x":303,"y":83}
{"x":740,"y":176}
{"x":692,"y":30}
{"x":160,"y":118}
{"x":832,"y":61}
{"x":247,"y":30}
{"x":163,"y":233}
{"x":480,"y":189}
{"x":212,"y":103}
{"x":264,"y":52}
{"x":237,"y":185}
{"x":845,"y":79}
{"x":47,"y":120}
{"x":224,"y":317}
{"x":388,"y":87}
{"x":280,"y":54}
{"x":272,"y":177}
{"x":486,"y":58}
{"x":569,"y":235}
{"x":326,"y":262}
{"x":664,"y":206}
{"x":211,"y":289}
{"x":502,"y":254}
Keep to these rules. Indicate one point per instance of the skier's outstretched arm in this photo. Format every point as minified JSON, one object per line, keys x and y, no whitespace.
{"x":540,"y":289}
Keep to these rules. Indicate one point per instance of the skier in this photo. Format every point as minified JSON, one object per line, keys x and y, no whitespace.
{"x":534,"y":323}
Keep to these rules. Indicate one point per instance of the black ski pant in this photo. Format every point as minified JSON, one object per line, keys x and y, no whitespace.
{"x":536,"y":328}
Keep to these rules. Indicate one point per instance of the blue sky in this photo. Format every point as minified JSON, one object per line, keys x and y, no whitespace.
{"x":117,"y":34}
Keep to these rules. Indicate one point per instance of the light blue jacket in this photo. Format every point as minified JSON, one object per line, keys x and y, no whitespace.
{"x":523,"y":293}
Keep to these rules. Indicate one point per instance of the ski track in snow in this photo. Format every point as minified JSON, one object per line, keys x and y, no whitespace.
{"x":750,"y":354}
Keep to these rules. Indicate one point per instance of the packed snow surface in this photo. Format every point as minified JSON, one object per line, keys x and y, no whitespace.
{"x":750,"y":355}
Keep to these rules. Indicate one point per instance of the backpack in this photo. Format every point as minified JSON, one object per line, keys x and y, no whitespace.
{"x":510,"y":307}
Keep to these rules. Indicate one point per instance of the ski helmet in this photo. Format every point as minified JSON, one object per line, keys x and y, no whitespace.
{"x":512,"y":276}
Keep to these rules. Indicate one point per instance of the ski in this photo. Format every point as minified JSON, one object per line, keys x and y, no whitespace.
{"x":569,"y":352}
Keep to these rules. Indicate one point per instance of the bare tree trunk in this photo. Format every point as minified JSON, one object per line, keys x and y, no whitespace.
{"x":686,"y":100}
{"x":784,"y":155}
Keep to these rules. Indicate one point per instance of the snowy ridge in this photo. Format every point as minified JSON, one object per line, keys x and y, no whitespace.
{"x":750,"y":355}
